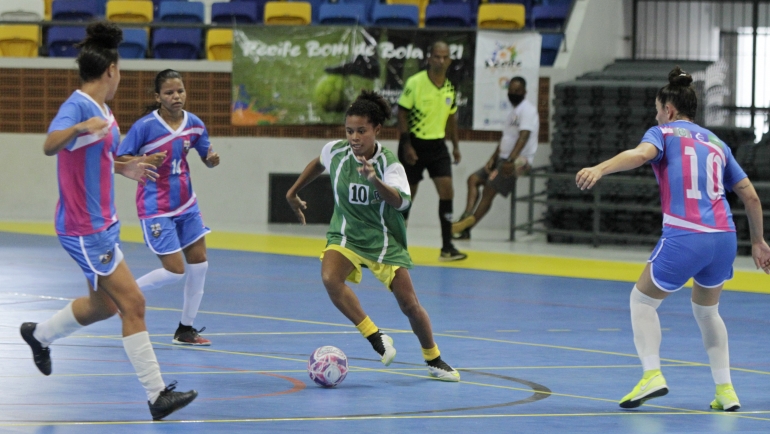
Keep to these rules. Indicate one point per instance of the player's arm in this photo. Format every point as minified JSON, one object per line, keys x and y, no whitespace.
{"x":626,"y":160}
{"x":136,"y":169}
{"x":58,"y":140}
{"x":759,"y":248}
{"x":390,"y":195}
{"x":404,"y":140}
{"x":313,"y":170}
{"x":508,"y":166}
{"x":454,"y":136}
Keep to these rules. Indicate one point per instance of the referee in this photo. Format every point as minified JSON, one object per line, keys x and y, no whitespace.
{"x":426,"y":112}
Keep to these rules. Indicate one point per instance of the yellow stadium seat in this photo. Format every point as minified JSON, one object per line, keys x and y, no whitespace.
{"x":219,"y":44}
{"x":501,"y":16}
{"x":19,"y":41}
{"x":129,"y":11}
{"x":288,"y":13}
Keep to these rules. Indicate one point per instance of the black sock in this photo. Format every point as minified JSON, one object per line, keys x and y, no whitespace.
{"x":435,"y":362}
{"x":183,"y":328}
{"x":376,"y":341}
{"x":445,"y":217}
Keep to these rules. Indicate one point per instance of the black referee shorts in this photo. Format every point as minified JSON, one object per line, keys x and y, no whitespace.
{"x":432,"y":155}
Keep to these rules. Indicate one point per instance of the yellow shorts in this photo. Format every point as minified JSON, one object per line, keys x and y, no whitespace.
{"x":383,"y":272}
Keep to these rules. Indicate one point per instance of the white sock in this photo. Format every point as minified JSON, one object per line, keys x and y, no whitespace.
{"x":714,"y":333}
{"x":142,"y":356}
{"x":157,"y":278}
{"x":60,"y":325}
{"x":193,"y":291}
{"x":646,"y":326}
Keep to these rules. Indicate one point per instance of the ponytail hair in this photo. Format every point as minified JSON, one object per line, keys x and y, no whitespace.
{"x":371,"y":105}
{"x":680,"y":93}
{"x":166,"y":74}
{"x":98,"y":50}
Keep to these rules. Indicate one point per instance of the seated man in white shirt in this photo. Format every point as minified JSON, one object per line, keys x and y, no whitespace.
{"x":512,"y":158}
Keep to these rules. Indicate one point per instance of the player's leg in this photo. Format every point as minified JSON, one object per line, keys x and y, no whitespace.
{"x":336,"y":268}
{"x":487,"y":197}
{"x":123,"y":290}
{"x":445,"y":196}
{"x":197,"y":266}
{"x":403,"y":290}
{"x":474,"y":184}
{"x":161,"y":237}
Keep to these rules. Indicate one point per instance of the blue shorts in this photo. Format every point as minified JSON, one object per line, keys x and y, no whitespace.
{"x":706,"y":257}
{"x":167,"y":235}
{"x":97,"y":254}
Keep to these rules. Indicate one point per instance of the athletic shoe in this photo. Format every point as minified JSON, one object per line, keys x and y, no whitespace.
{"x":725,"y":398}
{"x":190,"y":336}
{"x":438,"y":368}
{"x":383,"y":345}
{"x":170,"y":401}
{"x":463,"y":224}
{"x":451,"y":254}
{"x":41,"y":355}
{"x":366,"y":67}
{"x":652,"y":385}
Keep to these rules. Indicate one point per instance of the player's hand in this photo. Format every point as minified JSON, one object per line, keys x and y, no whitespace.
{"x":456,"y":155}
{"x":410,"y":155}
{"x":761,"y":254}
{"x":366,"y":169}
{"x":588,"y":177}
{"x":155,"y":159}
{"x":94,"y":125}
{"x":508,"y":168}
{"x":297,"y":205}
{"x":490,"y":166}
{"x":139,"y":171}
{"x":212,"y":159}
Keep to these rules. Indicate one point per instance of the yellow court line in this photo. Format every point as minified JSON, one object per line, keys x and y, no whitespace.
{"x":747,"y":281}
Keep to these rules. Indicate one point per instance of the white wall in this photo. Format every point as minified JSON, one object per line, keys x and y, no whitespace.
{"x":233,"y":196}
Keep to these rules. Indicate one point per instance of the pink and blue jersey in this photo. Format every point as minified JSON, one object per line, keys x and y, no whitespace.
{"x":172,"y":194}
{"x":693,"y":168}
{"x":85,"y":169}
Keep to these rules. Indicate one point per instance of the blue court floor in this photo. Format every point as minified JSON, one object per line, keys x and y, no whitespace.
{"x":536,"y":353}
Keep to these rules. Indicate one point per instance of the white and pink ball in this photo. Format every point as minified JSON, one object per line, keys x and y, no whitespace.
{"x":327,"y":366}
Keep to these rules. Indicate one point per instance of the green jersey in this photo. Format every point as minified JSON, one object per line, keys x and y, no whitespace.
{"x":362,"y":221}
{"x":429,"y":106}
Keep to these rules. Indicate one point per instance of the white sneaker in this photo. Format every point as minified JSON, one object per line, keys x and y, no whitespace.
{"x":438,"y":368}
{"x":390,"y":352}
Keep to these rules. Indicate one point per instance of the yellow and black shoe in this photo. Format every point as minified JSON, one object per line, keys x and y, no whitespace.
{"x":652,"y":385}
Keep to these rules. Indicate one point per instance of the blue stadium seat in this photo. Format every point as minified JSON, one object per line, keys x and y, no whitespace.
{"x":556,"y":2}
{"x":134,"y":45}
{"x":75,"y":10}
{"x":550,"y":48}
{"x":180,"y":12}
{"x":348,"y":14}
{"x":260,"y":7}
{"x":236,"y":12}
{"x":474,"y":5}
{"x":156,"y":5}
{"x":395,"y":15}
{"x":62,"y":40}
{"x":368,"y":5}
{"x":176,"y":43}
{"x":549,"y":17}
{"x":448,"y":15}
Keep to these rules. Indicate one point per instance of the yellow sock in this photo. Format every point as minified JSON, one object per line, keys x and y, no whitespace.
{"x":431,"y":353}
{"x":367,"y":327}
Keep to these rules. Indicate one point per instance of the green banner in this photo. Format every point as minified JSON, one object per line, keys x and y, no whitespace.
{"x":309,"y":75}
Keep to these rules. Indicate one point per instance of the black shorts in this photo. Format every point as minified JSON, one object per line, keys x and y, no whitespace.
{"x":432,"y":155}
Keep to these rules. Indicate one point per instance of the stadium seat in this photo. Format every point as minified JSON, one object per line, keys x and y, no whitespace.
{"x":22,"y":10}
{"x":315,"y":6}
{"x":156,"y":4}
{"x":134,"y":45}
{"x":501,"y":16}
{"x":176,"y":43}
{"x":130,"y":11}
{"x":395,"y":15}
{"x":348,"y":14}
{"x":219,"y":44}
{"x":288,"y":13}
{"x":19,"y":40}
{"x":549,"y":17}
{"x":368,"y":5}
{"x":550,"y":48}
{"x":448,"y":15}
{"x":74,"y":10}
{"x":526,"y":3}
{"x":556,"y":2}
{"x":62,"y":40}
{"x":421,"y":6}
{"x":236,"y":13}
{"x":180,"y":12}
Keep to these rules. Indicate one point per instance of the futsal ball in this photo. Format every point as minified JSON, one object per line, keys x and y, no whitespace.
{"x":327,"y":366}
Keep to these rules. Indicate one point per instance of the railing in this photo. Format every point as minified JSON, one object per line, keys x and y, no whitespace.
{"x":540,"y":197}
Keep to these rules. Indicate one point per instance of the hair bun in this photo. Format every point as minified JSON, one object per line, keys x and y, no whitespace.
{"x":677,"y":77}
{"x":103,"y":34}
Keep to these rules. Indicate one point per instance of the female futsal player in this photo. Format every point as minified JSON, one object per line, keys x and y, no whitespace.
{"x":693,"y":168}
{"x":367,"y":228}
{"x":168,"y":209}
{"x":84,"y":136}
